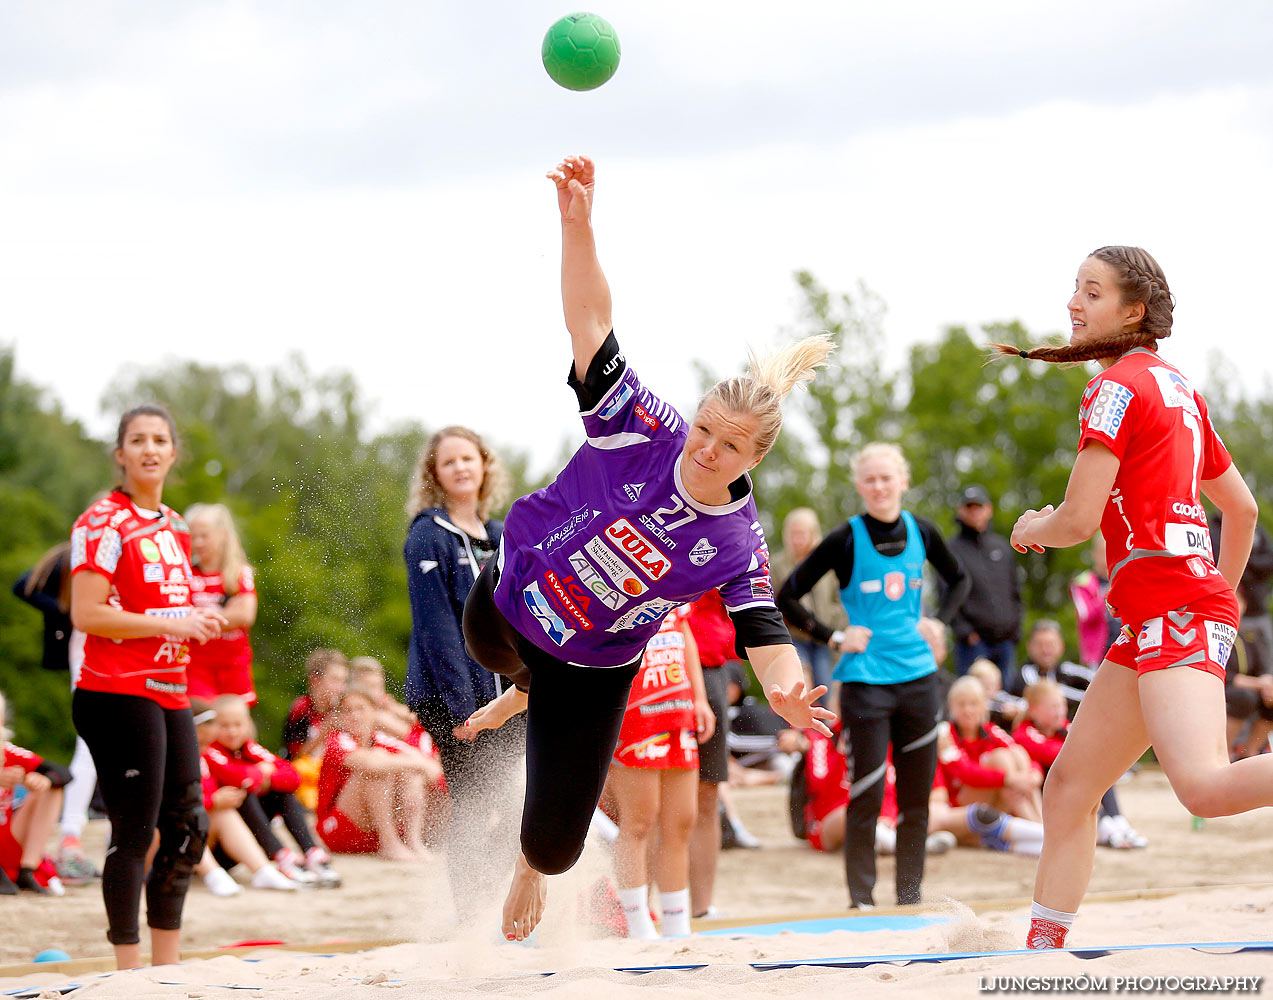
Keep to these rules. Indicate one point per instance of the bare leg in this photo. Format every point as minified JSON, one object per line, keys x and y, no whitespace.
{"x":679,"y":796}
{"x":408,"y":795}
{"x":833,"y":829}
{"x":367,"y":799}
{"x":33,"y":824}
{"x":165,"y":947}
{"x":636,"y":790}
{"x":1183,"y":710}
{"x":128,"y":956}
{"x":527,"y":896}
{"x":1260,"y":729}
{"x":704,"y":848}
{"x":1107,"y":737}
{"x":226,"y":827}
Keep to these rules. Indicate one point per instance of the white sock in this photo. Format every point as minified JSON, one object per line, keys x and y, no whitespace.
{"x":1041,"y":912}
{"x":885,"y":838}
{"x":1024,"y":836}
{"x":603,"y":826}
{"x":636,"y":909}
{"x":676,"y":913}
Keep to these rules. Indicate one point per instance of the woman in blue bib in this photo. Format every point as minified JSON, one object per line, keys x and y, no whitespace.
{"x":888,"y":684}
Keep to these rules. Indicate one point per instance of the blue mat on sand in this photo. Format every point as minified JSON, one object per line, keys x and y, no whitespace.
{"x":829,"y":924}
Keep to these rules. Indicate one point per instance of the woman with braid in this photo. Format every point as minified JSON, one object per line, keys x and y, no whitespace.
{"x":1147,"y":449}
{"x":651,"y":512}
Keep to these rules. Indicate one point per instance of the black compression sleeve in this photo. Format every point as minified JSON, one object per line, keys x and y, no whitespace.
{"x":604,"y":370}
{"x":755,"y":627}
{"x":957,"y":581}
{"x":833,"y":554}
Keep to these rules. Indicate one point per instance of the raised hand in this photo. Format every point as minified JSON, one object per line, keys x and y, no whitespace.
{"x":576,"y":178}
{"x":800,"y":708}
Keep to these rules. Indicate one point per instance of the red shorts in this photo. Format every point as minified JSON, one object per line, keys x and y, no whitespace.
{"x":1199,"y":635}
{"x":207,"y":683}
{"x":675,"y":749}
{"x":815,"y":828}
{"x":343,"y":836}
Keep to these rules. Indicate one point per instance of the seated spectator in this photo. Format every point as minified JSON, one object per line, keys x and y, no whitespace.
{"x":237,"y":760}
{"x":1046,"y":650}
{"x":979,"y":824}
{"x":24,"y":831}
{"x":819,"y":800}
{"x":1248,"y":698}
{"x":327,"y":673}
{"x":1005,"y":710}
{"x":375,"y":793}
{"x":1042,"y":734}
{"x":228,"y":834}
{"x":392,"y":717}
{"x":654,"y":778}
{"x":981,"y":763}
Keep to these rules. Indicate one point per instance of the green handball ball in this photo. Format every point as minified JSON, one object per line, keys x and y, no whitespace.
{"x":581,"y":51}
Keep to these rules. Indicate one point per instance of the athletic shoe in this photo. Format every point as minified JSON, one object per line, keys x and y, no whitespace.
{"x":270,"y":877}
{"x":862,"y":907}
{"x":1122,"y":837}
{"x":940,"y":842}
{"x":220,"y":883}
{"x":293,"y":868}
{"x":28,"y":881}
{"x":318,"y":863}
{"x":7,"y":888}
{"x":73,"y":868}
{"x":711,"y":913}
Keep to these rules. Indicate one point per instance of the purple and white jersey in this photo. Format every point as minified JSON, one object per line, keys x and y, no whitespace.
{"x":591,"y":564}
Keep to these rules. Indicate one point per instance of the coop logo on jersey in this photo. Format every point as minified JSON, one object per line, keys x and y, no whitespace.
{"x":1176,"y":390}
{"x":614,"y":567}
{"x":1193,"y":511}
{"x":564,"y":532}
{"x":649,"y":560}
{"x":646,"y":613}
{"x":592,"y":580}
{"x":1109,"y":408}
{"x":633,"y":490}
{"x":615,"y":403}
{"x":1220,"y":639}
{"x":702,"y":551}
{"x":548,"y":619}
{"x":894,"y":585}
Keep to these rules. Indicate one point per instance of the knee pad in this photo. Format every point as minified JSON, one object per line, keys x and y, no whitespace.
{"x":988,"y":823}
{"x":183,"y":832}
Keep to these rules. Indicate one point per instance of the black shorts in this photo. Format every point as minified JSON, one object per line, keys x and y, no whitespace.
{"x":713,"y":756}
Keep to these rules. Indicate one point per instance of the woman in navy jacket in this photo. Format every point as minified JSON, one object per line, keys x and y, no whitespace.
{"x":452,"y":536}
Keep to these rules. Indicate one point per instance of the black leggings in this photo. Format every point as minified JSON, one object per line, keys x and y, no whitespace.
{"x":573,"y":719}
{"x":876,"y":715}
{"x":147,"y":760}
{"x":257,"y":811}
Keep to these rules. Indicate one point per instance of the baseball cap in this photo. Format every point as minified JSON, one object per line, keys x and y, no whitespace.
{"x":974,"y":493}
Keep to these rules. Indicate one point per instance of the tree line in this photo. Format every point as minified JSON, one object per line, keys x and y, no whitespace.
{"x":318,"y":498}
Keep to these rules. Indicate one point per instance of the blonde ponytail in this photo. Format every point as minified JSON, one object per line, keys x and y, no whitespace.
{"x":769,"y":379}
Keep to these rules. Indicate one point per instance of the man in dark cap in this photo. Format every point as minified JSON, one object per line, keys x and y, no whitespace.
{"x":989,"y":622}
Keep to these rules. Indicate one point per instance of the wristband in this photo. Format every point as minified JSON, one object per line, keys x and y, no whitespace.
{"x":837,"y":637}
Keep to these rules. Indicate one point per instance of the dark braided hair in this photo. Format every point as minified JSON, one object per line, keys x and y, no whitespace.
{"x":1139,"y":279}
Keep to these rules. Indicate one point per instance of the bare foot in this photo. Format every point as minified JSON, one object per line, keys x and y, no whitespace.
{"x":397,"y":852}
{"x":524,"y":906}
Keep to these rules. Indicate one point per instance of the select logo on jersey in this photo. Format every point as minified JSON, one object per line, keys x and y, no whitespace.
{"x":646,"y":417}
{"x":633,"y":490}
{"x":1109,"y":408}
{"x":894,"y":585}
{"x":614,"y":567}
{"x":567,"y":592}
{"x":1220,"y":640}
{"x":615,"y":403}
{"x":592,"y":580}
{"x":650,"y":611}
{"x":1187,"y":539}
{"x":649,"y":560}
{"x":702,"y":551}
{"x":548,"y":619}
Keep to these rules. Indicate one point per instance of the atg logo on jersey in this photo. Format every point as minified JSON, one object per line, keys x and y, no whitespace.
{"x":649,"y":560}
{"x":591,"y":579}
{"x":1109,"y":408}
{"x":615,"y":403}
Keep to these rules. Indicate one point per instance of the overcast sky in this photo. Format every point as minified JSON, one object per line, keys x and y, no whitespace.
{"x":363,"y":183}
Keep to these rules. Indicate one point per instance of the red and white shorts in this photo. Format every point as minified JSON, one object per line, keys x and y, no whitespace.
{"x":343,"y":836}
{"x":675,"y":749}
{"x":1199,"y":635}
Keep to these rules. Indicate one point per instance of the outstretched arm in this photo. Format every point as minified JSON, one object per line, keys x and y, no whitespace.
{"x":781,"y":674}
{"x":585,"y":294}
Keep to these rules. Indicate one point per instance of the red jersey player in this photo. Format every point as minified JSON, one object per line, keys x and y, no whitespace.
{"x":221,"y":579}
{"x":130,"y":594}
{"x":1147,"y":451}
